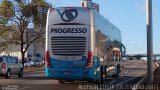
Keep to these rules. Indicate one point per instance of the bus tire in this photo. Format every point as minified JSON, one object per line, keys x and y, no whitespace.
{"x":116,"y":75}
{"x":102,"y":73}
{"x":119,"y":67}
{"x":61,"y":81}
{"x":101,"y":79}
{"x":105,"y":71}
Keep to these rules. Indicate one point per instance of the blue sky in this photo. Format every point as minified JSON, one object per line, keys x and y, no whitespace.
{"x":130,"y":17}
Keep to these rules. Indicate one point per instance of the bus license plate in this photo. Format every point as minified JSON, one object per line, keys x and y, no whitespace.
{"x":67,"y":73}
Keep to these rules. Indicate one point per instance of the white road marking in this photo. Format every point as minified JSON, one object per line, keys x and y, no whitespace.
{"x":113,"y":81}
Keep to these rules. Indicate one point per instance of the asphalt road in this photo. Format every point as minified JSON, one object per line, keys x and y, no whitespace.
{"x":133,"y":72}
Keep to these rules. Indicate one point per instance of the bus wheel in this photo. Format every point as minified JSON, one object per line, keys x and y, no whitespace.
{"x":102,"y":75}
{"x":101,"y":79}
{"x":116,"y":73}
{"x":119,"y":68}
{"x":105,"y":71}
{"x":61,"y":81}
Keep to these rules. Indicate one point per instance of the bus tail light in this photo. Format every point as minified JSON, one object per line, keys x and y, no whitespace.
{"x":90,"y":60}
{"x":47,"y":59}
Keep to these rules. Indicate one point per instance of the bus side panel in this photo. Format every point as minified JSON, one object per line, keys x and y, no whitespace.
{"x":107,"y":36}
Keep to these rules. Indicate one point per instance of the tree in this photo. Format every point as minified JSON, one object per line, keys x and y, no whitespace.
{"x":19,"y":15}
{"x":3,"y":37}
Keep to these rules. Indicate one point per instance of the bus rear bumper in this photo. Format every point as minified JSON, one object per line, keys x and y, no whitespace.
{"x":74,"y":74}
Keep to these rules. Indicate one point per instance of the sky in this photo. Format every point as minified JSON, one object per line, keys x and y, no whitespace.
{"x":130,"y":17}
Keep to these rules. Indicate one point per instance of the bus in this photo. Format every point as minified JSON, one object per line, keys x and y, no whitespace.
{"x":81,"y":45}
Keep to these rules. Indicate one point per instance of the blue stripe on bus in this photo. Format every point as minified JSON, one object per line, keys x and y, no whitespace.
{"x":69,"y":73}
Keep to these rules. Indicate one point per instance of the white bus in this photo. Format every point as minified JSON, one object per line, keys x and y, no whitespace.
{"x":81,"y":45}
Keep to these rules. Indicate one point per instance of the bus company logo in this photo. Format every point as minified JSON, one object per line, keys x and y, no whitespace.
{"x":69,"y":15}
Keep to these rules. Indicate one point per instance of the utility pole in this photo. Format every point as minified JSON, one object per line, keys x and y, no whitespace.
{"x":149,"y":41}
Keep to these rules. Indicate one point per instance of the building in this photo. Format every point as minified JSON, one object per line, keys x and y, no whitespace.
{"x":90,"y":4}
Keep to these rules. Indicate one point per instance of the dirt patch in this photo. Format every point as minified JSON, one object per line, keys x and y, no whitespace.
{"x":156,"y":81}
{"x":34,"y":68}
{"x":156,"y":77}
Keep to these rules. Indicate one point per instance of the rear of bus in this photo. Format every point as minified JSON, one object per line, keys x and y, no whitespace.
{"x":68,"y":53}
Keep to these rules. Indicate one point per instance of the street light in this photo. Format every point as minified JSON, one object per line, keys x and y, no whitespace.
{"x":149,"y":41}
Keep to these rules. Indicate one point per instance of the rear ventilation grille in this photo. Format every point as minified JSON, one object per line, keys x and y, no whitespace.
{"x":68,"y":46}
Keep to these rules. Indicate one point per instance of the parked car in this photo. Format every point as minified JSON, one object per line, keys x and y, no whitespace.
{"x":9,"y":65}
{"x":41,"y":62}
{"x":35,"y":62}
{"x":27,"y":63}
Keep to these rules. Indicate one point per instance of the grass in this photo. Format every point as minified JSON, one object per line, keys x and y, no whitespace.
{"x":34,"y":68}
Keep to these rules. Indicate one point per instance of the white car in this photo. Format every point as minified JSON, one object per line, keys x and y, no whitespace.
{"x":41,"y":62}
{"x":35,"y":63}
{"x":9,"y":65}
{"x":27,"y":64}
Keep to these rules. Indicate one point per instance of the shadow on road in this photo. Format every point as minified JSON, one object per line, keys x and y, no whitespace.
{"x":29,"y":78}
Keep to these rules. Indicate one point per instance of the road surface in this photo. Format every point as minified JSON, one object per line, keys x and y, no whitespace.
{"x":133,"y":72}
